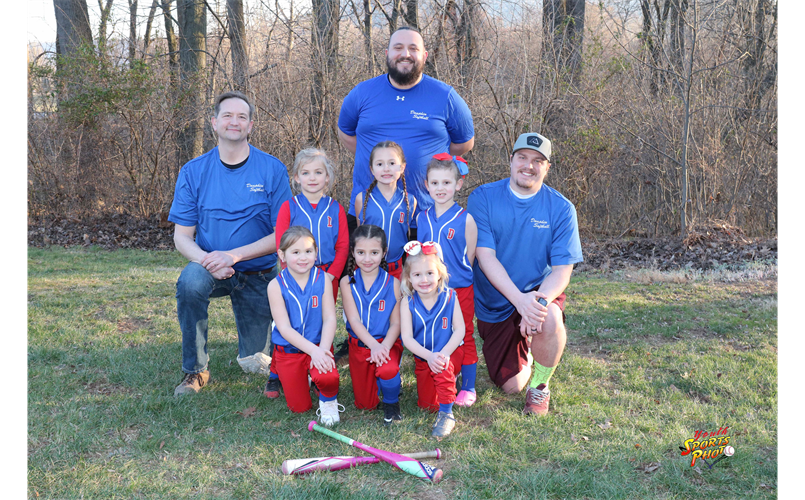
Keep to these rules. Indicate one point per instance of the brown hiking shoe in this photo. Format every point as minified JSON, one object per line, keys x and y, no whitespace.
{"x":536,"y":400}
{"x":192,"y":383}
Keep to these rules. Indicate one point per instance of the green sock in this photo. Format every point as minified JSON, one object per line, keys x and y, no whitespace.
{"x":541,"y":375}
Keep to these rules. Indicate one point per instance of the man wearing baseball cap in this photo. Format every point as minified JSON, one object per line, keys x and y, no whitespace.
{"x":520,"y":281}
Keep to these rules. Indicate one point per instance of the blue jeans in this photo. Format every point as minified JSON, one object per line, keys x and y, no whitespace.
{"x":249,"y":296}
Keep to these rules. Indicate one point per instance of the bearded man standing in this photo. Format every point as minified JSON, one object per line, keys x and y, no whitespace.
{"x":422,"y":114}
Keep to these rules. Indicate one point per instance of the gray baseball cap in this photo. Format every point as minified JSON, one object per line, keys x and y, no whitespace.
{"x":532,"y":140}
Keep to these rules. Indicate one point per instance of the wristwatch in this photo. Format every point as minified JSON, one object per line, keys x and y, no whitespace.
{"x":542,"y":301}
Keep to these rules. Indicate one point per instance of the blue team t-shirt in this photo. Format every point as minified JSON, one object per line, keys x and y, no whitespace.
{"x":528,"y":236}
{"x":424,"y":120}
{"x":231,"y":208}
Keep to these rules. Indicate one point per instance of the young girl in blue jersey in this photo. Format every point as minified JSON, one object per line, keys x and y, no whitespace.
{"x":432,"y":328}
{"x":301,"y":300}
{"x":385,"y":204}
{"x":371,"y":296}
{"x":454,"y":229}
{"x":312,"y":177}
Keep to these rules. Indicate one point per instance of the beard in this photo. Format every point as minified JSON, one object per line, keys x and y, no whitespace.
{"x":404,"y":77}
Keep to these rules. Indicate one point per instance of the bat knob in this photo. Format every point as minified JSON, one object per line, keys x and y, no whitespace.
{"x":438,"y":453}
{"x":310,"y":425}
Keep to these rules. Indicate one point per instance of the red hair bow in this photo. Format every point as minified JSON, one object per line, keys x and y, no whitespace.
{"x":460,"y":162}
{"x":414,"y":247}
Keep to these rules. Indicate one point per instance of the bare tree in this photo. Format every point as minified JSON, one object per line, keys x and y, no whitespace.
{"x":324,"y":40}
{"x":364,"y":21}
{"x":563,"y":21}
{"x":411,"y":14}
{"x":104,"y":22}
{"x":395,"y":9}
{"x":149,"y":24}
{"x":132,"y":33}
{"x":72,"y":26}
{"x":192,"y":65}
{"x":173,"y":46}
{"x":237,"y":39}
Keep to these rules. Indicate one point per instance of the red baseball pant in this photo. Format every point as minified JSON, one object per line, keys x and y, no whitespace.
{"x":434,"y":388}
{"x":364,"y":374}
{"x":467,"y":353}
{"x":293,"y":368}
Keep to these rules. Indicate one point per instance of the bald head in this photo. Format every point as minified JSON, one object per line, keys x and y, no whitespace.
{"x":407,"y":35}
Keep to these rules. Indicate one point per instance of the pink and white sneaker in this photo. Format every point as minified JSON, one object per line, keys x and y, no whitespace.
{"x":465,"y":398}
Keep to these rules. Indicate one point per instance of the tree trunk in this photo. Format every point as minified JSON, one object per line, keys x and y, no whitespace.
{"x":371,"y":64}
{"x":104,"y":21}
{"x":563,"y":22}
{"x":411,"y":15}
{"x":148,"y":25}
{"x":466,"y":37}
{"x":173,"y":46}
{"x":192,"y":63}
{"x":82,"y":148}
{"x":324,"y":38}
{"x":72,"y":26}
{"x":132,"y":32}
{"x":237,"y":40}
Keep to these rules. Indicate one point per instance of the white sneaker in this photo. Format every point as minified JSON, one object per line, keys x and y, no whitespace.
{"x":328,"y":412}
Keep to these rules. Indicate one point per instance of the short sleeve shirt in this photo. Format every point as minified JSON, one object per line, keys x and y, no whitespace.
{"x":231,"y":208}
{"x":547,"y":234}
{"x":424,"y":120}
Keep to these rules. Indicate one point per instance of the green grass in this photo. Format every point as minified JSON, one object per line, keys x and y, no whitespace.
{"x":651,"y":358}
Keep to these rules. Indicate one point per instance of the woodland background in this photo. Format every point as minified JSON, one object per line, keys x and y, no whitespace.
{"x":663,"y":113}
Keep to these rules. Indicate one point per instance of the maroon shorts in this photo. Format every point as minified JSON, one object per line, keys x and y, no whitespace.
{"x":505,"y":349}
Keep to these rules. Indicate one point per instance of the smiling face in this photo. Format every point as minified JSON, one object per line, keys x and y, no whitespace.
{"x":387,"y":166}
{"x":300,"y":256}
{"x":405,"y":57}
{"x":232,"y":123}
{"x":368,"y":253}
{"x":312,"y":177}
{"x":442,"y":184}
{"x":424,"y":275}
{"x":528,"y":170}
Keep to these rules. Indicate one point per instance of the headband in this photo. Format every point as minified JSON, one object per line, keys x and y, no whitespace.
{"x":414,"y":247}
{"x":460,"y":162}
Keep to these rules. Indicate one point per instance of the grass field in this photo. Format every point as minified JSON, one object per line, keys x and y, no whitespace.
{"x":652,"y":357}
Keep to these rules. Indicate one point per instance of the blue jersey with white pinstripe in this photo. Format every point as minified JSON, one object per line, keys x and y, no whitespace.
{"x":322,"y":222}
{"x":449,"y":231}
{"x":303,"y":306}
{"x":374,"y":305}
{"x":433,"y":327}
{"x":391,"y":216}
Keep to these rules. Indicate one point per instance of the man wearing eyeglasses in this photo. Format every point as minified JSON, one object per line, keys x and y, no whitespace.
{"x":528,"y":242}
